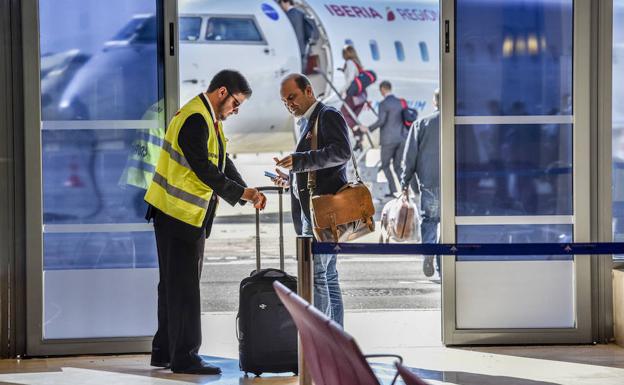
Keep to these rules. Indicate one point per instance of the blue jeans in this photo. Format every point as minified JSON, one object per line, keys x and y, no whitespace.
{"x":430,"y":204}
{"x":327,"y":294}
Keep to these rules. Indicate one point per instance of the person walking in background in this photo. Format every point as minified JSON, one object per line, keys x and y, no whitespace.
{"x":351,"y":68}
{"x":304,"y":27}
{"x":392,"y":134}
{"x":421,"y":169}
{"x":193,"y":170}
{"x":329,"y":161}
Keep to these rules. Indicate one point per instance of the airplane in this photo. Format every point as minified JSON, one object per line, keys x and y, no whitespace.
{"x":396,"y":39}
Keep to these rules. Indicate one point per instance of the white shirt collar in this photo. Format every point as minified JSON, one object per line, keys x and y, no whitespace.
{"x":308,"y":113}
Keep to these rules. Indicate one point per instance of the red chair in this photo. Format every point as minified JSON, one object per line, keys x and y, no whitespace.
{"x":408,"y":377}
{"x":332,"y":355}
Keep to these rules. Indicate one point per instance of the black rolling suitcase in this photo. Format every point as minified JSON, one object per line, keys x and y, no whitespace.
{"x":267,"y":336}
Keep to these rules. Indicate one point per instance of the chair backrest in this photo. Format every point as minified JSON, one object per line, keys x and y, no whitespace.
{"x":331,"y":355}
{"x":408,"y":377}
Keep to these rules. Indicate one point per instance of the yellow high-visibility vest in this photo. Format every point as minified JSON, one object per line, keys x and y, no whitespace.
{"x":145,"y":149}
{"x":175,"y":189}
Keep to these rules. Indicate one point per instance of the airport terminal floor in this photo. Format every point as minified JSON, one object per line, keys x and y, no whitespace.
{"x":434,"y":363}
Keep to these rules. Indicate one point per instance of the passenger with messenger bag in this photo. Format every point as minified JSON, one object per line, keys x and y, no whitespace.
{"x":329,"y":162}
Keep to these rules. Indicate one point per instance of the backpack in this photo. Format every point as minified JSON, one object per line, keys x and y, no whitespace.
{"x":364,"y":79}
{"x":409,"y":115}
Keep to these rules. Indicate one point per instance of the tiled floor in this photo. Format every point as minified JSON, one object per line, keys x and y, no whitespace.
{"x":414,"y":335}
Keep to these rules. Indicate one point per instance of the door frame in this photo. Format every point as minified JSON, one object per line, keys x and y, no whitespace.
{"x":36,"y":345}
{"x":582,"y":332}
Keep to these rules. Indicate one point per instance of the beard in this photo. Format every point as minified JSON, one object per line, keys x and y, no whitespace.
{"x":219,"y":111}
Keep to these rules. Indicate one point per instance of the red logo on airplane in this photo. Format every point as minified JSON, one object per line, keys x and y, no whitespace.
{"x":353,"y":11}
{"x":391,"y":16}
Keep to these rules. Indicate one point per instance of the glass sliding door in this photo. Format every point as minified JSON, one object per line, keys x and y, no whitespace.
{"x":515,"y":140}
{"x":93,"y":266}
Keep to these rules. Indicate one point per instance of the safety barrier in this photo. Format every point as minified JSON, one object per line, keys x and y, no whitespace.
{"x":475,"y":249}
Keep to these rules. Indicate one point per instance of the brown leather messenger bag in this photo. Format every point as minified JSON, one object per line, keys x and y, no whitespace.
{"x":345,"y":215}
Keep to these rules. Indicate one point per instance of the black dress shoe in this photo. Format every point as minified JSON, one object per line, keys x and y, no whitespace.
{"x":201,"y":368}
{"x":159,"y":364}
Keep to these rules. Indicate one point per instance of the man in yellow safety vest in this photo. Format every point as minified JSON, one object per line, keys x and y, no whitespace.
{"x":192,"y":172}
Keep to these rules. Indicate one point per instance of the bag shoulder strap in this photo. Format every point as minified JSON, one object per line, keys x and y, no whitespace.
{"x":359,"y":67}
{"x":314,"y":147}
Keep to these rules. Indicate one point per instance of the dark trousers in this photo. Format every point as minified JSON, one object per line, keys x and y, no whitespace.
{"x":179,"y":308}
{"x":430,"y":204}
{"x":392,"y":153}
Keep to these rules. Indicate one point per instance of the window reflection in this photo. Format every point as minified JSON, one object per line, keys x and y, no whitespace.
{"x":85,"y":177}
{"x":190,"y":28}
{"x":519,"y":51}
{"x":514,"y":169}
{"x":101,"y":93}
{"x":515,"y":234}
{"x":114,"y":71}
{"x":100,"y":251}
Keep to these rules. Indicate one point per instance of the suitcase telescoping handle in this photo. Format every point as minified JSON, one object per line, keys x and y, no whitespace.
{"x":280,"y":192}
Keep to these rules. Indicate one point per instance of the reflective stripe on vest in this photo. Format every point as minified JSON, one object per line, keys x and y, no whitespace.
{"x":145,"y":149}
{"x":180,"y":194}
{"x":176,"y":190}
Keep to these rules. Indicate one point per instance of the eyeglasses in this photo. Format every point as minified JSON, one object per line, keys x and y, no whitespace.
{"x":236,"y":102}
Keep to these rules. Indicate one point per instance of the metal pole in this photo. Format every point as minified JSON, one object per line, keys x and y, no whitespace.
{"x":305,"y":270}
{"x":281,"y":228}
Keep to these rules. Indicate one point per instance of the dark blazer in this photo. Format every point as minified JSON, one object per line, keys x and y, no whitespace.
{"x":329,"y":160}
{"x":390,"y":121}
{"x":297,"y":19}
{"x":421,"y":155}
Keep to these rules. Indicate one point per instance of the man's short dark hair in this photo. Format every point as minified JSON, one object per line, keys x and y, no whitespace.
{"x":302,"y":82}
{"x":233,"y":81}
{"x":291,"y":2}
{"x":385,"y":85}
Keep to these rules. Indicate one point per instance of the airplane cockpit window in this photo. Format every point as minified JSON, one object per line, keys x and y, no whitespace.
{"x":374,"y":50}
{"x":190,"y":28}
{"x":398,"y":46}
{"x":349,"y":42}
{"x":233,"y":30}
{"x":424,"y":51}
